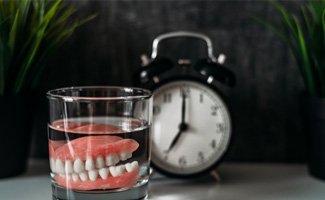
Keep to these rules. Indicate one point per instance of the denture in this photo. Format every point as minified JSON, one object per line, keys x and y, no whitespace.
{"x":93,"y":162}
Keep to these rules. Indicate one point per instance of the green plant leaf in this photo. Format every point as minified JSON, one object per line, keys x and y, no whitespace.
{"x":323,"y":26}
{"x":2,"y":66}
{"x":24,"y":8}
{"x":306,"y":39}
{"x":57,"y":42}
{"x":30,"y":58}
{"x":322,"y":57}
{"x":279,"y":32}
{"x":316,"y":9}
{"x":13,"y":31}
{"x":307,"y":21}
{"x":306,"y":62}
{"x":4,"y":51}
{"x":62,"y":19}
{"x":30,"y":31}
{"x":286,"y":18}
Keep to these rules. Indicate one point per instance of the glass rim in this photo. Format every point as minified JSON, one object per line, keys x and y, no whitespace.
{"x":50,"y":94}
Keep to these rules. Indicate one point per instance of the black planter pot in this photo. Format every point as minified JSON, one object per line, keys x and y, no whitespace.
{"x":15,"y":123}
{"x":314,"y":118}
{"x":39,"y":148}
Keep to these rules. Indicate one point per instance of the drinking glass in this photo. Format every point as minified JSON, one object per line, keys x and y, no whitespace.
{"x":99,"y":142}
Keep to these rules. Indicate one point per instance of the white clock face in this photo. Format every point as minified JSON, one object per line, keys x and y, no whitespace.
{"x":191,"y":127}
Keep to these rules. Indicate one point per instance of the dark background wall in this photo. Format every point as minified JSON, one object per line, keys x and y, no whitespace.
{"x":107,"y":50}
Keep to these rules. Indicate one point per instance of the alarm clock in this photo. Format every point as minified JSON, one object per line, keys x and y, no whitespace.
{"x":192,"y":125}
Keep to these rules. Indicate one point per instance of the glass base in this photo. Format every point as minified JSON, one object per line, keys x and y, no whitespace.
{"x":137,"y":192}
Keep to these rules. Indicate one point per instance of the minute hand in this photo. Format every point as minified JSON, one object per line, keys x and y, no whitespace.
{"x":183,"y":109}
{"x":182,"y":127}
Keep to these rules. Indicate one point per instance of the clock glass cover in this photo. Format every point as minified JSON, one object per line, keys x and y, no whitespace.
{"x":191,"y":128}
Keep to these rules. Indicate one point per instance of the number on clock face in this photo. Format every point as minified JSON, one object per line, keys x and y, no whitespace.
{"x":185,"y":91}
{"x":167,"y":98}
{"x":208,"y":127}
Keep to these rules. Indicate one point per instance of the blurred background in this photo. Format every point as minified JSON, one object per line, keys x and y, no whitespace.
{"x":265,"y":103}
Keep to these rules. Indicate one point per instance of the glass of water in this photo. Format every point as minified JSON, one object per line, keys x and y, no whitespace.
{"x":99,"y":143}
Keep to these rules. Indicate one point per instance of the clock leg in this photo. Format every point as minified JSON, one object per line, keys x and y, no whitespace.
{"x":215,"y":175}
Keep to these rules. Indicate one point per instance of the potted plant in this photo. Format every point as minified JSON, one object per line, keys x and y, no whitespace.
{"x":30,"y":32}
{"x":305,"y":36}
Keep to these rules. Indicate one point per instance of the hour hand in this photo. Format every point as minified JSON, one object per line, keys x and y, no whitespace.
{"x":172,"y":144}
{"x":182,"y":128}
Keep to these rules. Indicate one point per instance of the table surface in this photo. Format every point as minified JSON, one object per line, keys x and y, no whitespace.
{"x":239,"y":181}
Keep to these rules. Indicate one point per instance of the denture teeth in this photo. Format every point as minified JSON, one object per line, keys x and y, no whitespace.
{"x":120,"y":169}
{"x":103,"y":173}
{"x":78,"y":166}
{"x":68,"y":167}
{"x":83,"y":176}
{"x":59,"y":166}
{"x":52,"y":164}
{"x":68,"y":177}
{"x":100,"y":163}
{"x":89,"y":165}
{"x":111,"y":159}
{"x":93,"y":174}
{"x":75,"y":177}
{"x":135,"y":164}
{"x":125,"y":155}
{"x":113,"y":171}
{"x":117,"y":170}
{"x":130,"y":167}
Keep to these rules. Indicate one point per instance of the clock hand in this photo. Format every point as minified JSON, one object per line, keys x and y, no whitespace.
{"x":174,"y":140}
{"x":183,"y":107}
{"x":183,"y":126}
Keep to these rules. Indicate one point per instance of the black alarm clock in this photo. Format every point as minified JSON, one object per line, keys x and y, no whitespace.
{"x":192,"y":125}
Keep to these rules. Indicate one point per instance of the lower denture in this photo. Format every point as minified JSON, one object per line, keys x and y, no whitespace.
{"x":127,"y":179}
{"x":116,"y":177}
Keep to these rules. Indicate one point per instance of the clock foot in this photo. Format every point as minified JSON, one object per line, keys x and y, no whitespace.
{"x":215,"y":175}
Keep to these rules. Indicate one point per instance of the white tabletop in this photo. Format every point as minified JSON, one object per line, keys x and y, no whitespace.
{"x":239,"y":181}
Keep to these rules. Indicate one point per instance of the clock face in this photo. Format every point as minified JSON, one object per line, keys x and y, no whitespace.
{"x":191,"y":128}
